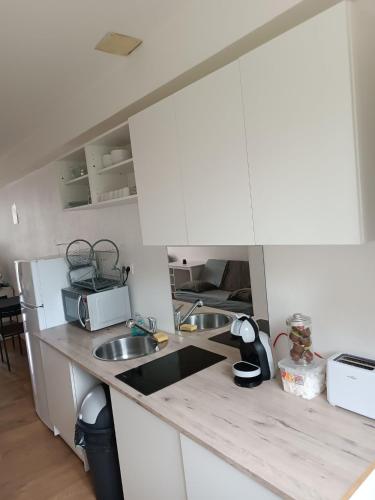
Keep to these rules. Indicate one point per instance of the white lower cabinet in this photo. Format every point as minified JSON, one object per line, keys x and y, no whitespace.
{"x":66,"y":386}
{"x":149,"y":453}
{"x":157,"y":462}
{"x":34,"y":354}
{"x":208,"y":476}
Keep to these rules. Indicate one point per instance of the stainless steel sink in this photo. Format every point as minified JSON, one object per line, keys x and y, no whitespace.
{"x":127,"y":347}
{"x":208,"y":321}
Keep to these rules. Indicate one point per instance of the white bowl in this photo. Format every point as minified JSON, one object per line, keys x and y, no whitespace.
{"x":107,"y":160}
{"x":118,"y":155}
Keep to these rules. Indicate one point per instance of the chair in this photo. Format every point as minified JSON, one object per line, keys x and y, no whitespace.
{"x":10,"y":329}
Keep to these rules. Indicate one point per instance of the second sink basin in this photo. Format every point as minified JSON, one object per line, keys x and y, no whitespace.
{"x":208,"y":321}
{"x":127,"y":347}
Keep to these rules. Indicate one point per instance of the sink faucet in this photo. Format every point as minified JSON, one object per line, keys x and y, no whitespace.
{"x":151,"y":323}
{"x":180,"y":321}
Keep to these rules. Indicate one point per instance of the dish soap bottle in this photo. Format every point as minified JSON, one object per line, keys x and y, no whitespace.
{"x":135,"y":331}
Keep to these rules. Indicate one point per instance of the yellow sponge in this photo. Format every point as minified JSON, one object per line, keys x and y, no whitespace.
{"x":188,"y":328}
{"x":160,"y":337}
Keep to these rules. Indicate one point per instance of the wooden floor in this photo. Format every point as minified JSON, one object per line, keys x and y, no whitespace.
{"x":34,"y":465}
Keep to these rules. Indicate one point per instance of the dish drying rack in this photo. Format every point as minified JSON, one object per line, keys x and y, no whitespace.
{"x":94,"y":267}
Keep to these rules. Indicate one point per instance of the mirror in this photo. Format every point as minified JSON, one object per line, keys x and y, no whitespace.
{"x":225,"y":278}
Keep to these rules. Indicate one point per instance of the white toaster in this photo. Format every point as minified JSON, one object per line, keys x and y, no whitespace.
{"x":351,"y":383}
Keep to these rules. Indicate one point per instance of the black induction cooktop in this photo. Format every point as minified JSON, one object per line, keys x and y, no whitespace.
{"x":169,"y":369}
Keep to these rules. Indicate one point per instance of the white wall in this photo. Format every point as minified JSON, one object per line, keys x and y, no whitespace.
{"x":43,"y":225}
{"x":333,"y":284}
{"x":209,"y":252}
{"x":258,"y":281}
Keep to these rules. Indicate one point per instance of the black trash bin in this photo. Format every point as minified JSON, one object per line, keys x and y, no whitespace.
{"x":96,"y":434}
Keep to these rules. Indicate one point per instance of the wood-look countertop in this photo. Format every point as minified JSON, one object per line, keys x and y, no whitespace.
{"x":302,"y":450}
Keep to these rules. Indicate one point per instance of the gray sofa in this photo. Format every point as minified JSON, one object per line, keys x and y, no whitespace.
{"x":231,"y":288}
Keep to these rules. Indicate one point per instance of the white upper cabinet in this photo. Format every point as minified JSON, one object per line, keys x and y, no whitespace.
{"x":212,"y":152}
{"x":301,"y":135}
{"x":276,"y":148}
{"x":158,"y":175}
{"x":191,"y":165}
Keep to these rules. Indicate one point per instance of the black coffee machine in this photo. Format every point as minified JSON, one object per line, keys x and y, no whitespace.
{"x":257,"y":361}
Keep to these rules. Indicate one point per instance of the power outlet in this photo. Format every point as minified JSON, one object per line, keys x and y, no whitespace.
{"x":132,"y":269}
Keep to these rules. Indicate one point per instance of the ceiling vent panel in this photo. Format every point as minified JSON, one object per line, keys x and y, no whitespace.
{"x":118,"y":44}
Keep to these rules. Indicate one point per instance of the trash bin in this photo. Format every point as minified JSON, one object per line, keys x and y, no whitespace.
{"x":96,"y":434}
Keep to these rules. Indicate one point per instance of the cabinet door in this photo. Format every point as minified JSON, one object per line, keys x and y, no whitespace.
{"x":208,"y":476}
{"x":61,"y":400}
{"x":158,"y":177}
{"x":37,"y":376}
{"x":212,"y":148}
{"x":149,"y":453}
{"x":82,"y":383}
{"x":300,"y":135}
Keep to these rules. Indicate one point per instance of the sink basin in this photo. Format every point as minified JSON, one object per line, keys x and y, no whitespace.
{"x":127,"y":347}
{"x":208,"y":321}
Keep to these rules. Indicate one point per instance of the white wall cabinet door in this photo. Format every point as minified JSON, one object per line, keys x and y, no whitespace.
{"x":208,"y":476}
{"x":300,"y":135}
{"x":149,"y":453}
{"x":212,"y":149}
{"x":158,"y":176}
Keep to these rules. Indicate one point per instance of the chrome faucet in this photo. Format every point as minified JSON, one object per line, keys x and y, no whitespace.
{"x":180,"y":321}
{"x":177,"y":315}
{"x":151,"y":323}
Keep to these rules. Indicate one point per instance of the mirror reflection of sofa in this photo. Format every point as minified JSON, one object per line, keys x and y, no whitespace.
{"x":223,"y":284}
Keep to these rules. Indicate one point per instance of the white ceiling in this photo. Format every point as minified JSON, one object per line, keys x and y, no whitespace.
{"x":54,"y":86}
{"x":46,"y":53}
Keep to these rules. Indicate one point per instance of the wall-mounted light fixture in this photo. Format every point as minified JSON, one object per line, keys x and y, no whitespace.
{"x":15,"y":217}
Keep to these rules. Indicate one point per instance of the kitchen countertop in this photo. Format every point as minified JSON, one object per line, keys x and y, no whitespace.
{"x":302,"y":450}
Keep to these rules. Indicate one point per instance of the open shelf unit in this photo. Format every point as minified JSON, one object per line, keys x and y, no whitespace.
{"x":108,"y":203}
{"x":117,"y":201}
{"x":74,"y":187}
{"x":121,"y":167}
{"x":85,"y":183}
{"x":78,"y":180}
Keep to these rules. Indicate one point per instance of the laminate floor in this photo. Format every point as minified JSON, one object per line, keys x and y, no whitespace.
{"x":34,"y":465}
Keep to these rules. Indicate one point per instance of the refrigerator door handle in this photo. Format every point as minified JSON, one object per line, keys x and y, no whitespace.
{"x":79,"y":311}
{"x":29,"y":306}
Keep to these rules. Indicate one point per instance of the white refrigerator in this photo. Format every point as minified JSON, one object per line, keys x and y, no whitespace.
{"x":40,"y":282}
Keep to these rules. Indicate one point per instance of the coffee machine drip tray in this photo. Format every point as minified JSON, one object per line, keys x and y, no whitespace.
{"x":169,"y":369}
